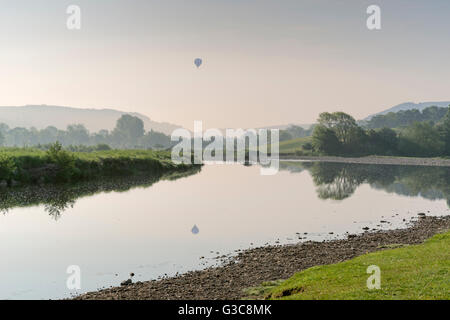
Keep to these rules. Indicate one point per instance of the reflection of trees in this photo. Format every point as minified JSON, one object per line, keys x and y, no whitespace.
{"x":341,"y":188}
{"x":340,"y":180}
{"x":294,"y":167}
{"x":58,"y":205}
{"x":334,"y":181}
{"x":58,"y":198}
{"x":6,"y":202}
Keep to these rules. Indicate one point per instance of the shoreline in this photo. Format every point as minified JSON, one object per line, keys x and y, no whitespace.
{"x":406,"y":161}
{"x":31,"y":166}
{"x":254,"y":266}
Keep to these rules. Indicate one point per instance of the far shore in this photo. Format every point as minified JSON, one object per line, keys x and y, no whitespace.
{"x":407,"y":161}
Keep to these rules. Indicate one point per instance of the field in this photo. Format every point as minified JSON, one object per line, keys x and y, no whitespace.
{"x":298,"y":146}
{"x":295,"y":145}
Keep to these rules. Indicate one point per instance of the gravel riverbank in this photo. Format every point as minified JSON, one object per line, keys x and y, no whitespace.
{"x":406,"y":161}
{"x":254,"y":266}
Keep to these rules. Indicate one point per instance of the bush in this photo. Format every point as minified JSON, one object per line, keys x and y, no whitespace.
{"x":102,"y":147}
{"x":308,"y":146}
{"x":7,"y":168}
{"x":64,"y":160}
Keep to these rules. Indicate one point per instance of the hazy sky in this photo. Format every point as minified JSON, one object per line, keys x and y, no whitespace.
{"x":265,"y":62}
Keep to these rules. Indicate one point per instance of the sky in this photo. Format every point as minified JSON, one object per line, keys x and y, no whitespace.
{"x":264,"y":62}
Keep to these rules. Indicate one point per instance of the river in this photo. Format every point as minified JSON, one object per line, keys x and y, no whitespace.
{"x":177,"y":225}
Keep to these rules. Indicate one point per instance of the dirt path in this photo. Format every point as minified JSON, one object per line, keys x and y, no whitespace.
{"x":376,"y":160}
{"x":254,"y":266}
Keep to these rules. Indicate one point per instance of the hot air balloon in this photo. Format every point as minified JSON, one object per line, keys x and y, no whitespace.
{"x":198,"y":62}
{"x":195,"y":229}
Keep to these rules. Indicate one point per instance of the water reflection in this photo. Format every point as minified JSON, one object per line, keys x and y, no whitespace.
{"x":336,"y":181}
{"x":339,"y":181}
{"x":58,"y":198}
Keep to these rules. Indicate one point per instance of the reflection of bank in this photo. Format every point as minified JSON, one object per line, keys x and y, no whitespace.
{"x":60,"y":197}
{"x":339,"y":181}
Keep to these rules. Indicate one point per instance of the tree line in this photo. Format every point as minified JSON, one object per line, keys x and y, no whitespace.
{"x":293,"y":132}
{"x":406,"y":118}
{"x":128,"y":133}
{"x":339,"y":134}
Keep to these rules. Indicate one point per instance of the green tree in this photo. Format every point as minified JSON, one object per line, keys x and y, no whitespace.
{"x":129,"y":130}
{"x":406,"y":118}
{"x":356,"y":142}
{"x":48,"y":135}
{"x":422,"y":139}
{"x":154,"y":139}
{"x":325,"y":140}
{"x":342,"y":124}
{"x":382,"y":141}
{"x":444,"y":130}
{"x":77,"y":134}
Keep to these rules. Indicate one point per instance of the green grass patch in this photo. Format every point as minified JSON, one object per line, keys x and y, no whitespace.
{"x":295,"y":145}
{"x":410,"y":272}
{"x":92,"y":156}
{"x":298,"y":146}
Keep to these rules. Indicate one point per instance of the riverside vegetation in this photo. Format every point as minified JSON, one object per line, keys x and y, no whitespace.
{"x":407,"y":133}
{"x":32,"y":166}
{"x":410,"y":133}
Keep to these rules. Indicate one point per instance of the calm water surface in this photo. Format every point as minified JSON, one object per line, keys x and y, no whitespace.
{"x":148,"y":230}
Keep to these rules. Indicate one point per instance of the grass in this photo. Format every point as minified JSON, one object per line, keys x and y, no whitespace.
{"x":90,"y":156}
{"x":294,"y":146}
{"x":410,"y":272}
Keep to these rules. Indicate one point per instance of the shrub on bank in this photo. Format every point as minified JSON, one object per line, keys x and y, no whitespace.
{"x":66,"y":169}
{"x":7,"y":168}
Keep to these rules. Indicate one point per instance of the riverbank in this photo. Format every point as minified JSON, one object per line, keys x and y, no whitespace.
{"x":252,"y":267}
{"x":400,"y":272}
{"x":28,"y":166}
{"x":405,"y":161}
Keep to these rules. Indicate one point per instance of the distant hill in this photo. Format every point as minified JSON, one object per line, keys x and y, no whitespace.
{"x":42,"y":116}
{"x":409,"y":106}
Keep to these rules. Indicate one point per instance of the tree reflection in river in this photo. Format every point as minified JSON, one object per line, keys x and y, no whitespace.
{"x":339,"y":181}
{"x":58,"y":198}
